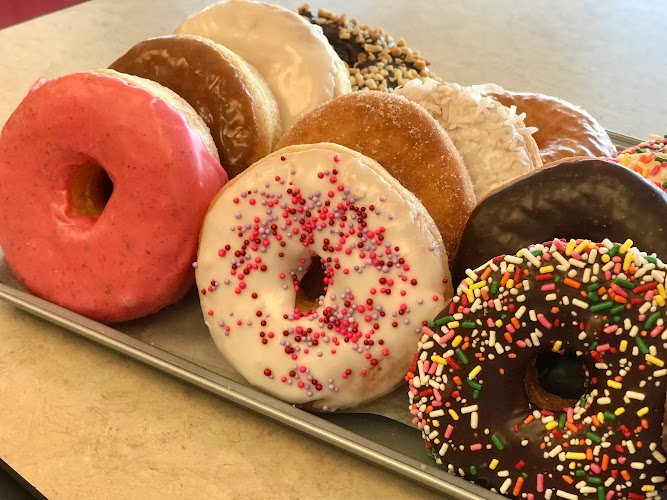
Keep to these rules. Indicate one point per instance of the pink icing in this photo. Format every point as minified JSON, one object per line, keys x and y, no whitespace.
{"x":134,"y":258}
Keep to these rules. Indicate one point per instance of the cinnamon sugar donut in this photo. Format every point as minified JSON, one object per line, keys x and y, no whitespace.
{"x":563,"y":129}
{"x":404,"y":139}
{"x":381,"y":261}
{"x":230,"y":96}
{"x":493,"y":140}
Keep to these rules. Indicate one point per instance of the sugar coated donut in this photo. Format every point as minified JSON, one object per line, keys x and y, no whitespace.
{"x":563,"y":129}
{"x":379,"y":256}
{"x":374,"y":59}
{"x":293,"y":56}
{"x":648,"y":159}
{"x":230,"y":96}
{"x":493,"y":140}
{"x":103,"y":188}
{"x":404,"y":139}
{"x":569,"y":199}
{"x":485,"y":414}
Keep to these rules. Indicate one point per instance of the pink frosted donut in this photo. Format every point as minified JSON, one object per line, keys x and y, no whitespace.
{"x":103,"y":188}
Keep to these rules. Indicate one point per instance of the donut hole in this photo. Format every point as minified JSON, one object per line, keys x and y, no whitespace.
{"x":311,"y":285}
{"x":90,"y":189}
{"x":555,"y":380}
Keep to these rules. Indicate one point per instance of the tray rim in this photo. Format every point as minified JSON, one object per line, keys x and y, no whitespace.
{"x":428,"y":476}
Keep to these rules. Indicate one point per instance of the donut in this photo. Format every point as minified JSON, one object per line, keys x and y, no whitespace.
{"x":563,"y":129}
{"x":292,"y":55}
{"x":328,"y":212}
{"x":482,"y":409}
{"x":104,"y":182}
{"x":648,"y":159}
{"x":228,"y":93}
{"x":571,"y":199}
{"x":403,"y":138}
{"x":375,"y":61}
{"x":495,"y":144}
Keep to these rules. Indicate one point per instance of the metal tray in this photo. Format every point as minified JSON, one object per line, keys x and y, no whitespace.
{"x":176,"y":341}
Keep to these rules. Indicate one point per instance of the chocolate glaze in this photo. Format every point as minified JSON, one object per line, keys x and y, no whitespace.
{"x":209,"y":83}
{"x":586,"y":198}
{"x":368,"y":51}
{"x":504,"y":402}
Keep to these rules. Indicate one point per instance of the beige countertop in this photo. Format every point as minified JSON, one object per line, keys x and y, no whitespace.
{"x":80,"y":421}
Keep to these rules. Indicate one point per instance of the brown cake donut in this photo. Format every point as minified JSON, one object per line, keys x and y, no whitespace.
{"x":228,"y":93}
{"x":407,"y":141}
{"x":564,"y":130}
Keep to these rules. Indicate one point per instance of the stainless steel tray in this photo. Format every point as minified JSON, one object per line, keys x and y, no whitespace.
{"x":176,"y":342}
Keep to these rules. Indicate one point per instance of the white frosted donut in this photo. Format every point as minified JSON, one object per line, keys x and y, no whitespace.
{"x":383,"y":265}
{"x":495,"y":144}
{"x":294,"y":57}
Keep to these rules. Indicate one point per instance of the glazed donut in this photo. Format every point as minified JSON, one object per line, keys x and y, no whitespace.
{"x":374,"y":59}
{"x":648,"y":159}
{"x":381,"y":260}
{"x":228,"y":93}
{"x":403,"y":138}
{"x":495,"y":144}
{"x":293,"y":56}
{"x":482,"y":410}
{"x":563,"y":129}
{"x":580,"y":197}
{"x":105,"y":180}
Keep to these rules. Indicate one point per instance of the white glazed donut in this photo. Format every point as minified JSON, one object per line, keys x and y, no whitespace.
{"x":294,"y":57}
{"x":495,"y":144}
{"x":384,"y":268}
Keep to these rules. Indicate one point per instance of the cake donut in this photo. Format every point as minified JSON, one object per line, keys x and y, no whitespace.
{"x":230,"y":96}
{"x":374,"y":59}
{"x":563,"y":129}
{"x":493,"y":140}
{"x":570,"y":199}
{"x":485,"y":415}
{"x":403,"y":138}
{"x":648,"y":159}
{"x":378,"y":264}
{"x":100,"y":211}
{"x":292,"y":55}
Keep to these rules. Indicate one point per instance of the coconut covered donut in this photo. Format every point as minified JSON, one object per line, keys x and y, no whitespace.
{"x":404,"y":139}
{"x":104,"y":182}
{"x":648,"y":159}
{"x":475,"y":390}
{"x":378,"y":264}
{"x":228,"y":93}
{"x":564,"y":130}
{"x":493,"y":140}
{"x":292,"y":55}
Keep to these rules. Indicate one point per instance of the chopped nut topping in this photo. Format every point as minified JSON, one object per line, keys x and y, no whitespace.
{"x":375,"y":60}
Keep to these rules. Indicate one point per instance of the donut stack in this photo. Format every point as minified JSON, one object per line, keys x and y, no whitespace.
{"x":334,"y":233}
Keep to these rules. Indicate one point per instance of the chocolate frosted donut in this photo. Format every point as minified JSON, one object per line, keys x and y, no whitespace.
{"x":585,"y":197}
{"x":599,"y":310}
{"x":228,"y":93}
{"x":375,"y":60}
